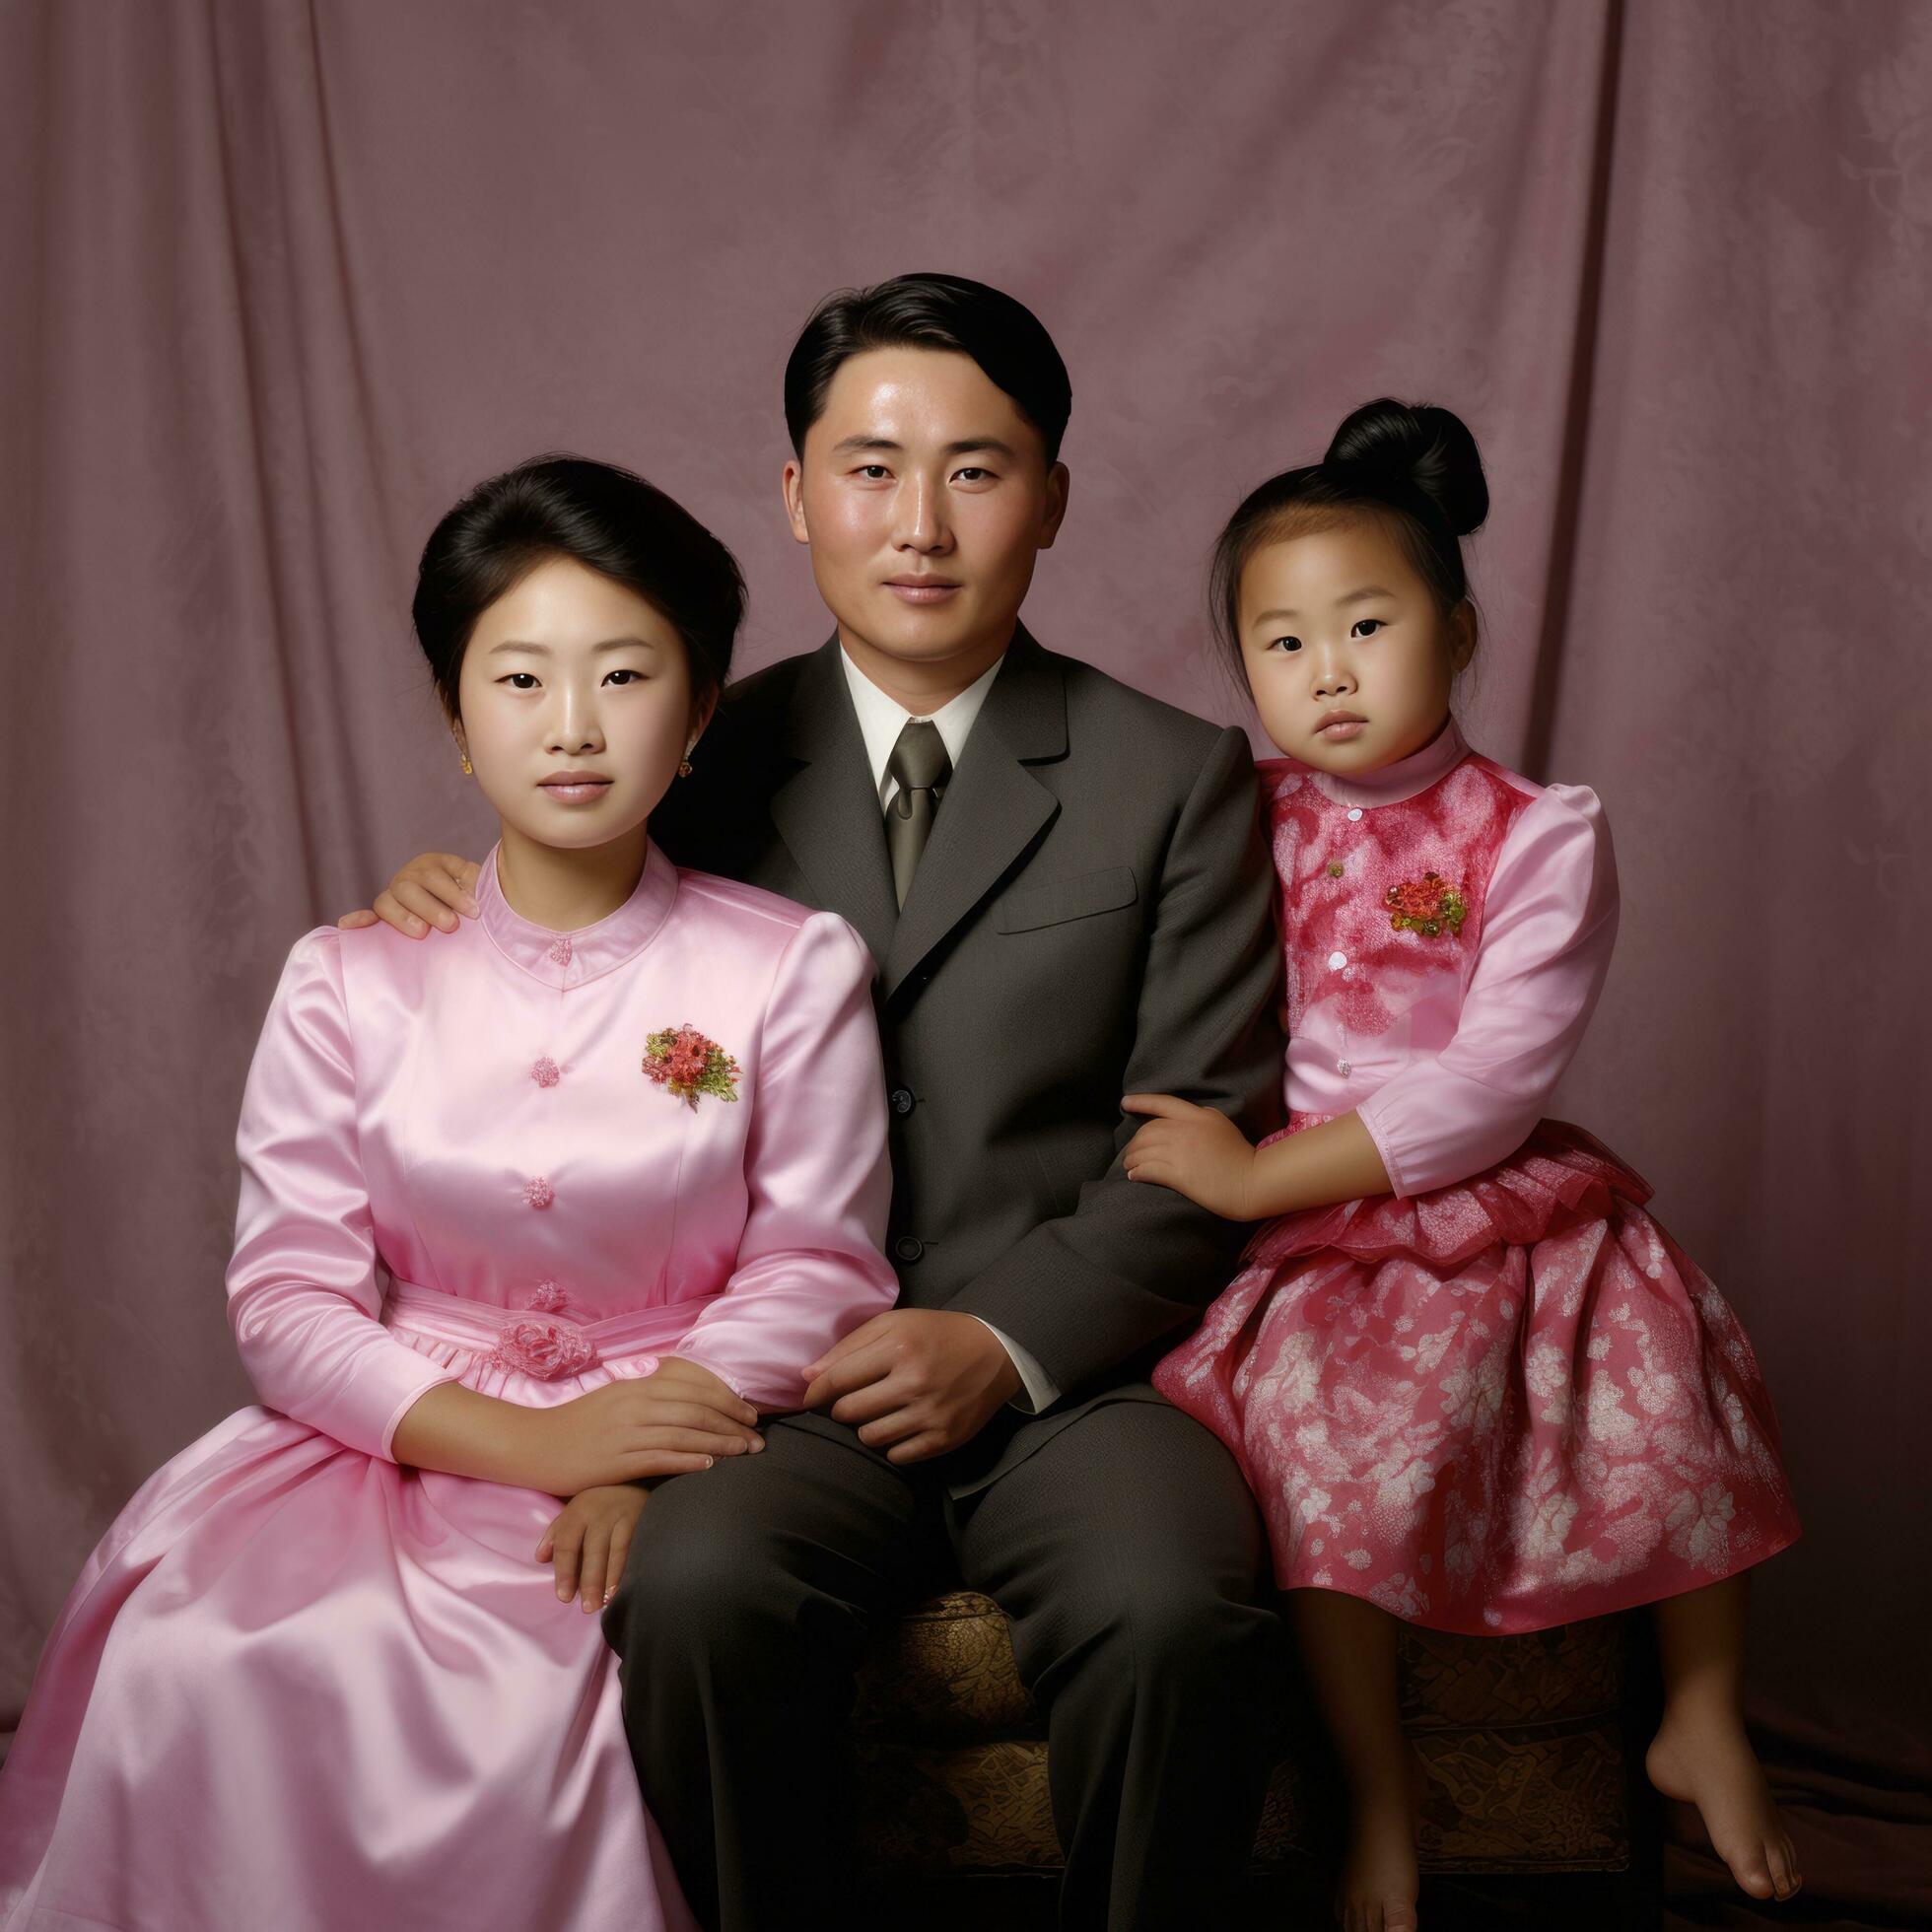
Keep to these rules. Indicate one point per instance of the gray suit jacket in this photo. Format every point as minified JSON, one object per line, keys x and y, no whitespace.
{"x":1091,"y":917}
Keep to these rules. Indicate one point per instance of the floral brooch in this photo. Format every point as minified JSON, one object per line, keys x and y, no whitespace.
{"x":1426,"y":907}
{"x":681,"y":1060}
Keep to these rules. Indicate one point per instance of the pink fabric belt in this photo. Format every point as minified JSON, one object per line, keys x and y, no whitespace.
{"x":540,"y":1341}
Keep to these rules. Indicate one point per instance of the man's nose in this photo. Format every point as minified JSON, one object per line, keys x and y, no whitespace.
{"x":922,"y":521}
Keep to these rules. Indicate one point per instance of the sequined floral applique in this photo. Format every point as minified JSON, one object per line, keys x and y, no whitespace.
{"x":1428,"y":906}
{"x":548,"y":1298}
{"x":684,"y":1062}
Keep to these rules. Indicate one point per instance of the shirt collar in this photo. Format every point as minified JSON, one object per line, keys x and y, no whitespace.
{"x":882,"y":719}
{"x":1394,"y":782}
{"x":569,"y":959}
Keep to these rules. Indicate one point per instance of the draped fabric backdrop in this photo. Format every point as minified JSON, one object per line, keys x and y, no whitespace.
{"x":281,"y":280}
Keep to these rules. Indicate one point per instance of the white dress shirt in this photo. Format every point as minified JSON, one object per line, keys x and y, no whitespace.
{"x":880,"y":720}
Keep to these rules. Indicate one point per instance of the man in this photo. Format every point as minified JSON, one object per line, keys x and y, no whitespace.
{"x":1063,"y":887}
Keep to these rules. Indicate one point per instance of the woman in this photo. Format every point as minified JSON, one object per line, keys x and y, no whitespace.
{"x":548,"y":1211}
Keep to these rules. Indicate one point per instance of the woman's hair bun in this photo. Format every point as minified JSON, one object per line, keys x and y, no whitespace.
{"x":1428,"y":447}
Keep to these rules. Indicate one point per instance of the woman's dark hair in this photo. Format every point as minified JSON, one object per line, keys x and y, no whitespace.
{"x":931,"y":311}
{"x":1411,"y":464}
{"x":606,"y":518}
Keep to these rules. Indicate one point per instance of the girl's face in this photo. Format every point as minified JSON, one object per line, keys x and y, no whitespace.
{"x":1346,"y":650}
{"x":576,"y":706}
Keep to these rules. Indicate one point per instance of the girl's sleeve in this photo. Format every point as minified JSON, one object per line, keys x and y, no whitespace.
{"x":302,"y":1291}
{"x":1549,"y":928}
{"x":809,"y":1268}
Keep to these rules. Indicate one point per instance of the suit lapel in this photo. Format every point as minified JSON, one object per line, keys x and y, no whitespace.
{"x":992,"y":809}
{"x":828,"y":811}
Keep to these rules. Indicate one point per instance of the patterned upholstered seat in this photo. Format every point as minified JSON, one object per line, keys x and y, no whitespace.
{"x":1521,"y":1741}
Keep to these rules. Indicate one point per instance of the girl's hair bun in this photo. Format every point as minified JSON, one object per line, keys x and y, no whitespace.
{"x":1427,"y":446}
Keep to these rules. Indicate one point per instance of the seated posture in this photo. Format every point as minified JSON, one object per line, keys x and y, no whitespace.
{"x":1473,"y":1383}
{"x":1065,"y":889}
{"x":550,"y":1211}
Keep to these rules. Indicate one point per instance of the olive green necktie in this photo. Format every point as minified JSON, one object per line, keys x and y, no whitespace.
{"x":919,"y":763}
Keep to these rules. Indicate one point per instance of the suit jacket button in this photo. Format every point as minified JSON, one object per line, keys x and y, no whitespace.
{"x":909,"y":1247}
{"x":902,"y":1100}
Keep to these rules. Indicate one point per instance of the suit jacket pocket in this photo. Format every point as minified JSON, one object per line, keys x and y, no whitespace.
{"x":1049,"y":902}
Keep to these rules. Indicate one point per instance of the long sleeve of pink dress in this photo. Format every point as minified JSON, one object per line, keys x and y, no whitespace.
{"x":298,"y":1684}
{"x":1550,"y":928}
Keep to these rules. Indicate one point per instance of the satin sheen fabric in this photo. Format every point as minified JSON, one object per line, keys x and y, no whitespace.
{"x":1501,"y":1398}
{"x":298,"y":1684}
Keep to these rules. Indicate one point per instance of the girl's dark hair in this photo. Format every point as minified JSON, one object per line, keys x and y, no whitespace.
{"x":608,"y":519}
{"x":1411,"y":464}
{"x":1001,"y":334}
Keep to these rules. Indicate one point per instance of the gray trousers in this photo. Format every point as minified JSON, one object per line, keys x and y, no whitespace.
{"x":1131,"y":1562}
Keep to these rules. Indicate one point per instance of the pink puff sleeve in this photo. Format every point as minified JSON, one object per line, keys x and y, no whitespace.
{"x":303,"y":1293}
{"x":809,"y":1268}
{"x":1549,"y":928}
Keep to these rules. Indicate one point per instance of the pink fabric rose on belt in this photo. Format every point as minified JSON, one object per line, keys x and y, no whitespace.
{"x":543,"y":1350}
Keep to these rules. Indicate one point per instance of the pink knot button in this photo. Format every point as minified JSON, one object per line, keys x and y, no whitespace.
{"x":545,"y":1073}
{"x":560,"y":950}
{"x":538,"y":1192}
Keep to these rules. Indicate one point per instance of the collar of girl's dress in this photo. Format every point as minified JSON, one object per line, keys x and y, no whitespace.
{"x":1405,"y":779}
{"x":569,"y":959}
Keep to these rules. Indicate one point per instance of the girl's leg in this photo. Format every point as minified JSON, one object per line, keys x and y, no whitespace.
{"x":1350,"y":1648}
{"x":1701,"y":1754}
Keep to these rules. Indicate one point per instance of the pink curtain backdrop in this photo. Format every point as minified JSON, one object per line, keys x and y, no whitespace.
{"x":280,"y":280}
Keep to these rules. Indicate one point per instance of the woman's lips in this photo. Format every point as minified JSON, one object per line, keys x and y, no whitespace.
{"x":576,"y":792}
{"x":1342,"y":730}
{"x":914,"y":591}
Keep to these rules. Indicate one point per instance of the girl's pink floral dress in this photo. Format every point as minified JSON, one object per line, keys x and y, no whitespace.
{"x":1503,"y":1398}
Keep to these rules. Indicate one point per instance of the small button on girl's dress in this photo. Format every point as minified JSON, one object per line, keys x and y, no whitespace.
{"x":1501,"y":1398}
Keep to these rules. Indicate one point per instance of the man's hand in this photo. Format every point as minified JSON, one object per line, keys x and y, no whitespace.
{"x":431,"y":890}
{"x":1194,"y":1150}
{"x":916,"y":1381}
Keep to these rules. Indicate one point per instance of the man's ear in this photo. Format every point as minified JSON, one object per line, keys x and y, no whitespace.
{"x":794,"y":485}
{"x":1058,"y":482}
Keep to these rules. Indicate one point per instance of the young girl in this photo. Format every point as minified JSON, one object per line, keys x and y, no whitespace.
{"x":1473,"y":1383}
{"x":547,"y":1210}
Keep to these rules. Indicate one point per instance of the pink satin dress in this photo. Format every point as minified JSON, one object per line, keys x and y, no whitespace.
{"x":300,"y":1687}
{"x":1500,"y":1397}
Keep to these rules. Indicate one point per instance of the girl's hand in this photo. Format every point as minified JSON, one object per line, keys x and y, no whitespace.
{"x":589,"y":1541}
{"x":1194,"y":1150}
{"x":673,"y":1421}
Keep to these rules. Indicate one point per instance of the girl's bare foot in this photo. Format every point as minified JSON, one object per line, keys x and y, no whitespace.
{"x":1703,"y":1757}
{"x":1377,"y":1890}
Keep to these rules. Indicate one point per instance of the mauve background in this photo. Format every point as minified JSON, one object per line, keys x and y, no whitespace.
{"x":281,"y":280}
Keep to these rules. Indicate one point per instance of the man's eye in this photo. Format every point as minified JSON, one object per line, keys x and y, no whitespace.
{"x":1285,"y":644}
{"x":1367,"y":626}
{"x":972,"y":474}
{"x":519,"y":680}
{"x":872,"y":473}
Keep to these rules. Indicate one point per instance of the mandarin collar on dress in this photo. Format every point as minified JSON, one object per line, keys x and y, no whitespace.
{"x":1403,"y":778}
{"x":569,"y":959}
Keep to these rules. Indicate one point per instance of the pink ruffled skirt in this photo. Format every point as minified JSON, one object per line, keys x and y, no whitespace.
{"x":1498,"y":1407}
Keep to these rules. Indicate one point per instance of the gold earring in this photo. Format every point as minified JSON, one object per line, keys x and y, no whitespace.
{"x":684,"y":768}
{"x":469,"y":770}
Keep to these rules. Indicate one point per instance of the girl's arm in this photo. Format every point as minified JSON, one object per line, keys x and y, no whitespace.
{"x":1550,"y":925}
{"x":810,"y":1266}
{"x":305,"y":1298}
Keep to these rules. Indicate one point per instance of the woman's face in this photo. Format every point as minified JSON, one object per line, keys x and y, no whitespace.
{"x":1348,"y":652}
{"x":576,"y":706}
